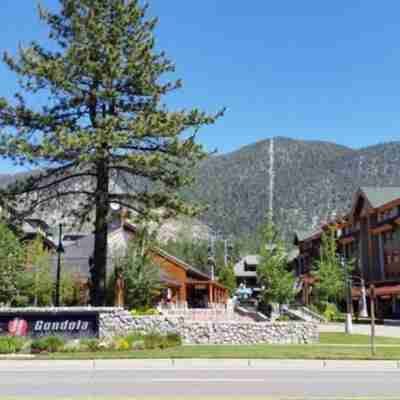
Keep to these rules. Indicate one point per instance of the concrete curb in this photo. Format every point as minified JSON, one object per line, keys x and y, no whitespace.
{"x":193,"y":364}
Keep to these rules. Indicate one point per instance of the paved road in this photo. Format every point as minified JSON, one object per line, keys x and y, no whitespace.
{"x":185,"y":380}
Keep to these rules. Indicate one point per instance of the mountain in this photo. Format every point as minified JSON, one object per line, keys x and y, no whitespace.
{"x":313,"y":181}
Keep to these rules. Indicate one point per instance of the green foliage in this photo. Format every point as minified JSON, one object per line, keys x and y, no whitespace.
{"x":11,"y":265}
{"x":153,"y":341}
{"x":69,"y":289}
{"x":36,"y":283}
{"x":236,"y":185}
{"x":122,"y":345}
{"x":48,"y":344}
{"x":283,"y":318}
{"x":192,"y":252}
{"x":11,"y":345}
{"x":143,"y":312}
{"x":174,"y":339}
{"x":330,"y":275}
{"x":106,"y":121}
{"x":331,"y":312}
{"x":90,"y":345}
{"x":226,"y":277}
{"x":272,"y":271}
{"x":195,"y":251}
{"x":142,"y":277}
{"x":134,"y":338}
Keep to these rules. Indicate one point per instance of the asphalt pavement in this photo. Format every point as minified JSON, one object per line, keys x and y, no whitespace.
{"x":186,"y":379}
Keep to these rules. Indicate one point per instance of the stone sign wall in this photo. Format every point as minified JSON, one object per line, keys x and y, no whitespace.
{"x":215,"y":332}
{"x":108,"y":322}
{"x":35,"y":322}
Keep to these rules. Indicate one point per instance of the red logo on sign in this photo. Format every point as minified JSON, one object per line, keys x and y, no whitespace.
{"x":18,"y":327}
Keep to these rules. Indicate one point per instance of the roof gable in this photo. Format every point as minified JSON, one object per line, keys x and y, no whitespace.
{"x":379,"y":196}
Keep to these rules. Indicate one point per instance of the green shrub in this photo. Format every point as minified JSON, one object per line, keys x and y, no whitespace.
{"x":317,"y":308}
{"x":143,"y":312}
{"x":331,"y":312}
{"x":138,"y":345}
{"x":174,"y":339}
{"x":73,"y":346}
{"x":11,"y":345}
{"x":38,"y":346}
{"x":153,"y":341}
{"x":50,"y":344}
{"x":126,"y":342}
{"x":92,"y":345}
{"x":134,"y":337}
{"x":121,"y":345}
{"x":283,"y":318}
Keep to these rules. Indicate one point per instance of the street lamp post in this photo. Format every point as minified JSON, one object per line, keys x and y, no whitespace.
{"x":363,"y":310}
{"x":364,"y":307}
{"x":60,"y":250}
{"x":349,"y":318}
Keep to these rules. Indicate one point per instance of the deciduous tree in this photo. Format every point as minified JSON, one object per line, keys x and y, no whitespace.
{"x":37,"y":277}
{"x":330,"y":275}
{"x":11,"y":264}
{"x":226,"y":277}
{"x":272,"y":271}
{"x":142,"y":277}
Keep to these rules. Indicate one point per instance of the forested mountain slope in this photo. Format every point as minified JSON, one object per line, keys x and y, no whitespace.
{"x":313,"y":181}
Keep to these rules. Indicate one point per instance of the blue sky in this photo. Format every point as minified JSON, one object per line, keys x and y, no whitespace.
{"x":305,"y":69}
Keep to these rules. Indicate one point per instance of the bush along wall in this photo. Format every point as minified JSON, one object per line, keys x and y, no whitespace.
{"x":56,"y":344}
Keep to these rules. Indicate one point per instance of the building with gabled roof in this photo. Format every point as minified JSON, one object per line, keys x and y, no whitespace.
{"x":369,"y":234}
{"x":184,"y":284}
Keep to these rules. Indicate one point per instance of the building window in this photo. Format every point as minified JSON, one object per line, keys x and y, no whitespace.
{"x":388,"y":214}
{"x":250,"y":267}
{"x":391,"y":252}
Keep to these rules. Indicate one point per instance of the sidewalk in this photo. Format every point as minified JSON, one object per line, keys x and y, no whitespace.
{"x":381,"y":330}
{"x":104,"y":365}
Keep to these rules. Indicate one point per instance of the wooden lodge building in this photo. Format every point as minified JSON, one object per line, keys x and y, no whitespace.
{"x":184,"y":285}
{"x":369,"y":234}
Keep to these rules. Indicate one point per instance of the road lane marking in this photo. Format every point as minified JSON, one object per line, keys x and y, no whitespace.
{"x":206,"y":380}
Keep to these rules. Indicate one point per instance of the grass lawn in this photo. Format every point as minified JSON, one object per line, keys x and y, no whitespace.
{"x":243,"y":352}
{"x":332,"y":346}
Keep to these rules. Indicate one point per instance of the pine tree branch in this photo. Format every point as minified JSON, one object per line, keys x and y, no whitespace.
{"x":52,"y":184}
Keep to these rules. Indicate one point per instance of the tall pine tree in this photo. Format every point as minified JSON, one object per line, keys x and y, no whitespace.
{"x":104,"y":121}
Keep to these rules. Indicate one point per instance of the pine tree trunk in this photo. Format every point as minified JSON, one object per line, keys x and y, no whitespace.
{"x":101,"y":230}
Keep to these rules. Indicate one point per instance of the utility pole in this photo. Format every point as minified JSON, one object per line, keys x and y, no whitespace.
{"x":226,"y":252}
{"x":211,"y":255}
{"x":271,"y":177}
{"x":60,"y":250}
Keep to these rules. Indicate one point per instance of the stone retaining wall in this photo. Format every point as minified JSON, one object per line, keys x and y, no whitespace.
{"x":216,"y":332}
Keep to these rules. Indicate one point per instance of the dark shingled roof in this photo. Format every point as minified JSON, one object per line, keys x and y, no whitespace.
{"x":303,"y":235}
